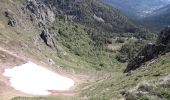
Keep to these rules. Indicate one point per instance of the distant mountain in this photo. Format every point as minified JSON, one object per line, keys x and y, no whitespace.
{"x":162,"y":11}
{"x":94,"y":14}
{"x":137,"y":8}
{"x":159,"y":18}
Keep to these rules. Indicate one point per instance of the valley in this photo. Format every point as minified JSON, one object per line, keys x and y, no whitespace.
{"x":152,"y":14}
{"x":103,"y":51}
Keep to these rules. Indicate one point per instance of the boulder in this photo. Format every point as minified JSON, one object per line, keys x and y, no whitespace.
{"x":8,"y":13}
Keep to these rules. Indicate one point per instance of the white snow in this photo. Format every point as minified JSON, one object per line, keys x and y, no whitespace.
{"x":36,"y":80}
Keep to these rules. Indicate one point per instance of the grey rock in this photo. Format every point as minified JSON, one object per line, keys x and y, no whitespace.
{"x":40,"y":12}
{"x":50,"y":61}
{"x":12,"y":21}
{"x":32,"y":6}
{"x":41,"y":16}
{"x":8,"y":13}
{"x":47,"y":38}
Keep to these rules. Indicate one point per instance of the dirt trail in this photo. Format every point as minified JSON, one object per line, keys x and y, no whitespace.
{"x":7,"y":92}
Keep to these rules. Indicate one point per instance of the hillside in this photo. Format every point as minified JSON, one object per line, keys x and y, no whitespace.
{"x":86,"y":40}
{"x":94,"y":14}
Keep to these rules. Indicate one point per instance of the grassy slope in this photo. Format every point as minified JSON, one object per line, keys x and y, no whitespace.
{"x":101,"y":89}
{"x":14,"y":38}
{"x":111,"y":87}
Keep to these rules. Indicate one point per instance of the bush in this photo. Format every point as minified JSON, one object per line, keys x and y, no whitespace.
{"x":130,"y":50}
{"x":165,"y":94}
{"x":121,"y":58}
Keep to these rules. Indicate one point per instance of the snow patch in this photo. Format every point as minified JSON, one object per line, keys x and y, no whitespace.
{"x":36,"y":80}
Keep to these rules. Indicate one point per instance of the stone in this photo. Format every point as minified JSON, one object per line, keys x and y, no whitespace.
{"x":50,"y":61}
{"x":8,"y":13}
{"x":12,"y":22}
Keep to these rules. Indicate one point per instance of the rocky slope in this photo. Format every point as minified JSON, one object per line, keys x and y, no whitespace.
{"x":152,"y":50}
{"x":38,"y":14}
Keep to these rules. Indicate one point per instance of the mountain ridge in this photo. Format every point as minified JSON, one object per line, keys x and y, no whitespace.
{"x":159,"y":19}
{"x":140,"y":8}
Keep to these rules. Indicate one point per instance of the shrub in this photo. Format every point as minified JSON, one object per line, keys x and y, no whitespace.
{"x":130,"y":50}
{"x":165,"y":94}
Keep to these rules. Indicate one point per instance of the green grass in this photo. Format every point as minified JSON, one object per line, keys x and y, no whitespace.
{"x":117,"y":82}
{"x":83,"y":56}
{"x":76,"y":40}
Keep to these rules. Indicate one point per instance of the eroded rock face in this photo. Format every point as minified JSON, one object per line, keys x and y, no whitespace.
{"x":151,"y":51}
{"x":40,"y":12}
{"x":47,"y":38}
{"x":41,"y":15}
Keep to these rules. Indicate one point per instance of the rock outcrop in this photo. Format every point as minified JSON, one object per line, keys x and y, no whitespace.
{"x":151,"y":51}
{"x":12,"y":21}
{"x":47,"y":38}
{"x":40,"y":13}
{"x":41,"y":16}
